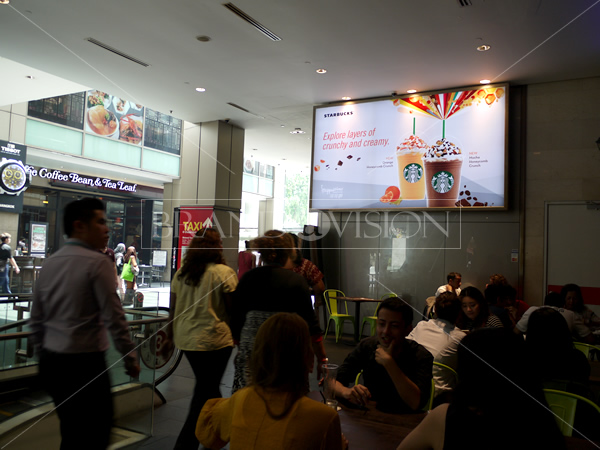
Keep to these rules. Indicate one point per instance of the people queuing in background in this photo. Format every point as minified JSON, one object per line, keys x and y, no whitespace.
{"x":198,"y":316}
{"x":498,"y":403}
{"x":454,"y":281}
{"x":573,"y":298}
{"x":554,"y":300}
{"x":6,"y":259}
{"x":129,"y":274}
{"x":396,"y":371}
{"x":441,"y":338}
{"x":267,"y":290}
{"x":475,"y":311}
{"x":246,"y":260}
{"x":273,"y":412}
{"x":304,"y":267}
{"x":109,"y":252}
{"x":74,"y":305}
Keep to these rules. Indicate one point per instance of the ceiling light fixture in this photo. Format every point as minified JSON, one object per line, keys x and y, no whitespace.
{"x":485,"y":81}
{"x":346,"y":98}
{"x":201,"y":89}
{"x":411,"y":91}
{"x":297,"y":131}
{"x":30,"y":77}
{"x":321,"y":70}
{"x":483,"y":48}
{"x":203,"y":38}
{"x":4,"y":2}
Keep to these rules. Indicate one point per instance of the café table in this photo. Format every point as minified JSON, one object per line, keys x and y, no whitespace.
{"x":357,"y":301}
{"x":369,"y":428}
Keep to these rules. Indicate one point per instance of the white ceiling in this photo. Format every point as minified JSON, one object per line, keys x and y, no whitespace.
{"x":369,"y":48}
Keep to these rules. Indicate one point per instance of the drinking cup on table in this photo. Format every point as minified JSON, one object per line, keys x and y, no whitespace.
{"x":329,"y":376}
{"x":333,"y":404}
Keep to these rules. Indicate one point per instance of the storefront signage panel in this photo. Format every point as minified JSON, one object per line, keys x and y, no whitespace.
{"x":14,"y":178}
{"x":81,"y":180}
{"x":429,"y":150}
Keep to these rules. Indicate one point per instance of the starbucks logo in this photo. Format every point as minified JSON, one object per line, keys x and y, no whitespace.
{"x":413,"y":173}
{"x":442,"y":182}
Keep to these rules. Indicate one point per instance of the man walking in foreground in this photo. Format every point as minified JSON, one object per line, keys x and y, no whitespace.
{"x":74,"y":304}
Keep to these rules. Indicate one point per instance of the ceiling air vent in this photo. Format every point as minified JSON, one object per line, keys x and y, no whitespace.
{"x":116,"y":52}
{"x":264,"y":30}
{"x":463,"y":3}
{"x":241,"y":108}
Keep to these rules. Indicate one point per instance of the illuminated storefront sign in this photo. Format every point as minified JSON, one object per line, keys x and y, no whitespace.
{"x":78,"y":179}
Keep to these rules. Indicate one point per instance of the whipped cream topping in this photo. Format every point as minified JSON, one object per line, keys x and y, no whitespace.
{"x":443,"y":150}
{"x":412,"y":144}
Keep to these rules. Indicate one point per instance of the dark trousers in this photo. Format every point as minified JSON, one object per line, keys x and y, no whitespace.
{"x":84,"y":407}
{"x":208,"y":368}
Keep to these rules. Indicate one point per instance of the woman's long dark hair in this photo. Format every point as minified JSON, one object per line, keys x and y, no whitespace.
{"x":275,"y":247}
{"x":281,"y":358}
{"x":496,"y":382}
{"x":484,"y":309}
{"x":205,"y":248}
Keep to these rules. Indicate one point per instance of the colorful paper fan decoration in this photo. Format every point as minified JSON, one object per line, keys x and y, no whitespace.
{"x":447,"y":104}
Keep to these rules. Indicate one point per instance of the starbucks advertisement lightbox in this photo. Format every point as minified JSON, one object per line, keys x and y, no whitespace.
{"x":441,"y":150}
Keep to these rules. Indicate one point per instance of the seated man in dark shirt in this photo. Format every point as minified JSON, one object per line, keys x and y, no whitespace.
{"x":396,"y":371}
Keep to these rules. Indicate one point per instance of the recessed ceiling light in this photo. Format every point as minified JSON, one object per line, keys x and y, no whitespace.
{"x":282,"y":126}
{"x":411,"y":91}
{"x":203,"y":38}
{"x":321,"y":70}
{"x":483,"y":48}
{"x":297,"y":131}
{"x":4,"y":2}
{"x":283,"y":159}
{"x":200,"y":89}
{"x":30,"y":77}
{"x":484,"y":81}
{"x":346,"y":98}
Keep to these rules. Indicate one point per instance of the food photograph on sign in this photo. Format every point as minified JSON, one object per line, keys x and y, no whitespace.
{"x":114,"y":117}
{"x":429,"y":150}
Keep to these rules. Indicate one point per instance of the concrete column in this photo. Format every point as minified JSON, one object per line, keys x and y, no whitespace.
{"x":211,"y":175}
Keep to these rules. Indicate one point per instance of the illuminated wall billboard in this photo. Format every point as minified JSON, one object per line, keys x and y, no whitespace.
{"x":440,"y":150}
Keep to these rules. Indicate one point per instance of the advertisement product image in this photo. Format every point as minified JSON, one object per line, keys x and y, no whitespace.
{"x":431,"y":150}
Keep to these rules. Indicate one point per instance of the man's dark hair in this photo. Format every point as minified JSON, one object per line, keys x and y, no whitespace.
{"x":80,"y":210}
{"x":396,"y":304}
{"x":447,"y":306}
{"x":496,"y":292}
{"x":554,"y":299}
{"x":452,"y":275}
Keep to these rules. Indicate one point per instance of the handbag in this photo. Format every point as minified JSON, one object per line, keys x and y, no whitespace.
{"x":127,"y":274}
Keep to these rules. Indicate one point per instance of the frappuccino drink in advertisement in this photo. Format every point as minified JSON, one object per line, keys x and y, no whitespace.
{"x":443,"y":165}
{"x":409,"y":156}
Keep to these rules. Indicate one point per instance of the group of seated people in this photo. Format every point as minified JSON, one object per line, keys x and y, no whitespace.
{"x":499,"y":375}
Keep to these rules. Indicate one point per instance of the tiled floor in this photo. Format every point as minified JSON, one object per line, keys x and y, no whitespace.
{"x":177,"y":389}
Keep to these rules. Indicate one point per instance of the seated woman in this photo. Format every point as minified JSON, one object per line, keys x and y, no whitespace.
{"x":571,"y":294}
{"x":475,"y":311}
{"x":498,"y":403}
{"x":552,"y":353}
{"x":273,"y":413}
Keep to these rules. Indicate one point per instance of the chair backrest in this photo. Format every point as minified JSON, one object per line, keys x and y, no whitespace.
{"x":586,"y":348}
{"x":331,"y":296}
{"x":445,"y":367}
{"x":563,"y":405}
{"x":429,"y":405}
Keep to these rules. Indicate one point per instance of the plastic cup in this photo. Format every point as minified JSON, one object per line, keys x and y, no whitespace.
{"x":329,"y":377}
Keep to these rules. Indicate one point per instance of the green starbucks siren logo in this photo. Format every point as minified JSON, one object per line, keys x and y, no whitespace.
{"x":442,"y":182}
{"x":413,"y":173}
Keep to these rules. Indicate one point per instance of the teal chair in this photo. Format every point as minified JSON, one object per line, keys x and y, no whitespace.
{"x":563,"y":405}
{"x":372,"y":320}
{"x":587,"y":349}
{"x":331,"y":302}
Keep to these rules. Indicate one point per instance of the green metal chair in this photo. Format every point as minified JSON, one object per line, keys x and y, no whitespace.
{"x":445,"y":367}
{"x":331,"y":296}
{"x":372,"y":320}
{"x":587,"y":349}
{"x":563,"y":405}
